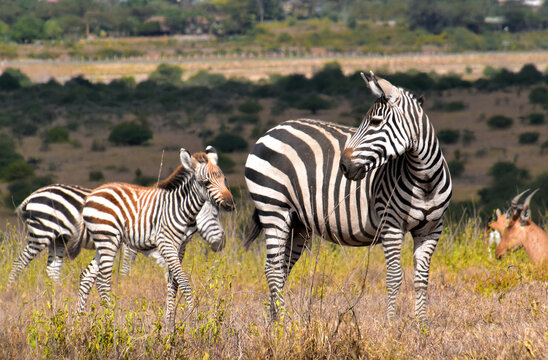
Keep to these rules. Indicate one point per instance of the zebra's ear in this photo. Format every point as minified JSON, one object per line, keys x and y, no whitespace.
{"x":187,"y":160}
{"x":212,"y":154}
{"x":381,"y":87}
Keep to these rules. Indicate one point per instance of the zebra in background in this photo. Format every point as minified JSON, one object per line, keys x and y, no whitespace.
{"x":144,"y":218}
{"x":52,"y":216}
{"x":395,"y":181}
{"x":209,"y":227}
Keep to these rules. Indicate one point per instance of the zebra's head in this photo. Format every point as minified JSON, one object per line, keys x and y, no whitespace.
{"x":209,"y":176}
{"x":209,"y":226}
{"x":387,"y":131}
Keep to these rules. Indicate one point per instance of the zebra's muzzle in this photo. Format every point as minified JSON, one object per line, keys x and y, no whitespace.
{"x":349,"y":169}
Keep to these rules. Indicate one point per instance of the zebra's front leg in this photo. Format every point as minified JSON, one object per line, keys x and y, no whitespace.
{"x":87,"y":279}
{"x":424,"y":249}
{"x":177,"y":278}
{"x":106,"y":251}
{"x":23,"y":260}
{"x":55,"y":259}
{"x":391,"y":244}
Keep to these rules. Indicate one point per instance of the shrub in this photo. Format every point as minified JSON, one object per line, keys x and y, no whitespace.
{"x":96,"y":176}
{"x":130,"y":133}
{"x":57,"y":135}
{"x":543,"y":146}
{"x":448,"y":136}
{"x":539,"y":95}
{"x":12,"y":79}
{"x":17,"y":171}
{"x":167,"y":74}
{"x":529,"y":137}
{"x":205,"y":78}
{"x":467,"y":137}
{"x":98,"y":145}
{"x":19,"y":190}
{"x":24,"y":128}
{"x":226,"y":163}
{"x":455,"y":106}
{"x":250,"y":107}
{"x":456,"y":167}
{"x":143,"y":180}
{"x":313,"y":103}
{"x":499,"y":122}
{"x":227,"y":142}
{"x":535,"y":118}
{"x":8,"y":155}
{"x":244,"y":119}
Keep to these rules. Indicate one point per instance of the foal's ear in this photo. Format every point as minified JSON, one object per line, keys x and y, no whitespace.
{"x":212,"y":154}
{"x":187,"y":160}
{"x":420,"y":100}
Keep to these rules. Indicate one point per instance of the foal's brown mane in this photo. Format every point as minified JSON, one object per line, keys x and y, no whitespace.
{"x":174,"y":180}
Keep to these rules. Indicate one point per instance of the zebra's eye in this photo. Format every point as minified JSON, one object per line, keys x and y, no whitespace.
{"x":376,"y":120}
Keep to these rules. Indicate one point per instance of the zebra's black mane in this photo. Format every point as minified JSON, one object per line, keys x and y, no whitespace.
{"x":177,"y":177}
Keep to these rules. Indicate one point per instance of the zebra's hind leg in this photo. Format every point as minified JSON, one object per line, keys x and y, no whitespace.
{"x":55,"y":259}
{"x":391,"y":244}
{"x":129,"y":256}
{"x":30,"y":251}
{"x":106,"y":251}
{"x":87,"y":279}
{"x":424,"y":249}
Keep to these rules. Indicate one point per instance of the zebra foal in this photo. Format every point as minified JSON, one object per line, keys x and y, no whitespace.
{"x":393,"y":180}
{"x":151,"y":218}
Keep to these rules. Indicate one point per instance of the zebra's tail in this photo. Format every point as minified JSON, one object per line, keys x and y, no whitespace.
{"x":254,"y":230}
{"x":75,"y":243}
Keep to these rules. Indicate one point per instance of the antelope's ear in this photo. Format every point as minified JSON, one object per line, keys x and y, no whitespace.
{"x":187,"y":160}
{"x":498,"y":213}
{"x":212,"y":154}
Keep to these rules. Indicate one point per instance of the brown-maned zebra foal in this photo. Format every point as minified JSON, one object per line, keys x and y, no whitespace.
{"x":148,"y":218}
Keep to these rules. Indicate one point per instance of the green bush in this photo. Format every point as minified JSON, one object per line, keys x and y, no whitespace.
{"x":226,"y":142}
{"x":456,"y":168}
{"x":543,"y":147}
{"x":8,"y":155}
{"x":467,"y":137}
{"x":535,"y":118}
{"x":98,"y":145}
{"x":244,"y":119}
{"x":130,"y":133}
{"x":539,"y":95}
{"x":24,"y":128}
{"x":226,"y":164}
{"x":96,"y":176}
{"x":167,"y":74}
{"x":57,"y":135}
{"x":143,"y":180}
{"x":499,"y":122}
{"x":529,"y":137}
{"x":18,"y":170}
{"x":455,"y":106}
{"x":313,"y":103}
{"x":448,"y":136}
{"x":20,"y":189}
{"x":250,"y":107}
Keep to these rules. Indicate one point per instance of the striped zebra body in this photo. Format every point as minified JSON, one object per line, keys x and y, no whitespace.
{"x":293,"y":176}
{"x":145,"y":219}
{"x":52,"y":217}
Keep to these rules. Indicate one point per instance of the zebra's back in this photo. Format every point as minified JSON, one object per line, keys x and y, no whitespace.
{"x":294,"y":167}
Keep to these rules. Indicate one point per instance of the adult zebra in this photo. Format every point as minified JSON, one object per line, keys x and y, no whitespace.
{"x":293,"y":176}
{"x":52,"y":216}
{"x":159,"y":217}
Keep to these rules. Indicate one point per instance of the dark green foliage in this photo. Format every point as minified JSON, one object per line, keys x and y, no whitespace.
{"x":8,"y":155}
{"x":17,"y":170}
{"x":535,"y":118}
{"x":96,"y":176}
{"x":454,"y":106}
{"x":20,"y":189}
{"x":27,"y":28}
{"x":543,"y":147}
{"x":205,"y":78}
{"x":448,"y":136}
{"x":499,"y":122}
{"x":250,"y":107}
{"x":456,"y":168}
{"x":167,"y":74}
{"x":529,"y":137}
{"x":244,"y":119}
{"x":313,"y":103}
{"x":57,"y":135}
{"x":226,"y":164}
{"x":130,"y":133}
{"x":12,"y":79}
{"x":539,"y":96}
{"x":226,"y":142}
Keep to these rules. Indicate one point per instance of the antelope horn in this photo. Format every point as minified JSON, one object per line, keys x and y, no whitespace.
{"x":514,"y":202}
{"x":364,"y":77}
{"x":528,"y":198}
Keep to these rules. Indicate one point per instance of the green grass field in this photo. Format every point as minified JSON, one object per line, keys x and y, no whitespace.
{"x":479,"y":308}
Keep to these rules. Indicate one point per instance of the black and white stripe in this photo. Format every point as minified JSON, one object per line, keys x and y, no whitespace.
{"x":152,"y":218}
{"x":402,"y":184}
{"x":52,"y":217}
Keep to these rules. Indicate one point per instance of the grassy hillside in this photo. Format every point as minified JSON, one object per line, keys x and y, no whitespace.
{"x":478,"y":308}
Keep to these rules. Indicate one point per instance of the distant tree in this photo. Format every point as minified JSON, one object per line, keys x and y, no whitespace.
{"x":130,"y":133}
{"x":529,"y":137}
{"x":20,"y":189}
{"x":448,"y":136}
{"x":12,"y":79}
{"x":499,"y":122}
{"x":27,"y":28}
{"x":52,"y":29}
{"x":250,"y":107}
{"x":529,"y":74}
{"x":539,"y":95}
{"x":57,"y":135}
{"x":167,"y":74}
{"x":17,"y":170}
{"x":227,"y":142}
{"x":313,"y":103}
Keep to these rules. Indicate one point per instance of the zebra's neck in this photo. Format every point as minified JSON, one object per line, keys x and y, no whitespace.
{"x":184,"y":201}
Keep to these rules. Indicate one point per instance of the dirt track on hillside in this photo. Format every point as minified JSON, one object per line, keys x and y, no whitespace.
{"x":470,"y":64}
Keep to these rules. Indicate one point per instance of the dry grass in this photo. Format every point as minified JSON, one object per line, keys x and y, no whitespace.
{"x":479,"y":309}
